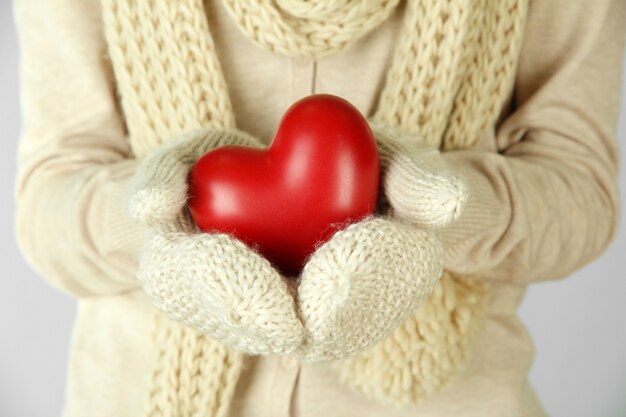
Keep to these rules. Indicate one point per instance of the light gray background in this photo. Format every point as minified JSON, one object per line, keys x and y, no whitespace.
{"x":577,"y":324}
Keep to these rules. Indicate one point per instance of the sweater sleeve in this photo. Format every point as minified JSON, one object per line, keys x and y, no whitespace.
{"x":74,"y":161}
{"x":547,"y":202}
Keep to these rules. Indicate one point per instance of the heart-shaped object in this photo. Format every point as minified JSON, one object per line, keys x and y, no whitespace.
{"x":320,"y":173}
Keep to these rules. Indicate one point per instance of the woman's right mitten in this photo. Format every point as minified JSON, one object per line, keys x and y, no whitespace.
{"x":208,"y":281}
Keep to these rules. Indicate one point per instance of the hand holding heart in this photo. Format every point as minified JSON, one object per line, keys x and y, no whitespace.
{"x":320,"y":171}
{"x":355,"y":288}
{"x":211,"y":282}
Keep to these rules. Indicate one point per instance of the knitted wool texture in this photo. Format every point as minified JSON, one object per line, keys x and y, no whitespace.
{"x":362,"y":284}
{"x":381,"y":267}
{"x":452,"y":69}
{"x":210,"y":282}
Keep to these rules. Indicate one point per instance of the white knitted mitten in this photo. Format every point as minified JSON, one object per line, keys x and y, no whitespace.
{"x":211,"y":282}
{"x":367,"y":279}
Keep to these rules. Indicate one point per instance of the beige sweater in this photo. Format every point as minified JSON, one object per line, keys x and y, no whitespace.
{"x":543,"y":196}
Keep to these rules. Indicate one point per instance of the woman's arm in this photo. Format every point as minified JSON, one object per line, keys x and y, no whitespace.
{"x":73,"y":163}
{"x":548,"y":202}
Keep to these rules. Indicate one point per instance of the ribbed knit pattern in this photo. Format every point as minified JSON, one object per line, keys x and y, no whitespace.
{"x":454,"y":63}
{"x":451,"y":71}
{"x":416,"y":182}
{"x":308,"y":29}
{"x":167,"y":74}
{"x":192,"y":376}
{"x":491,"y":71}
{"x":423,"y":80}
{"x":170,"y":82}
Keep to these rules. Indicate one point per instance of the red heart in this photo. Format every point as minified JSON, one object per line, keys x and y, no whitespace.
{"x":320,"y":173}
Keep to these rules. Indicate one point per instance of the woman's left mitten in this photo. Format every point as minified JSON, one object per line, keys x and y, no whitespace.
{"x":367,"y":279}
{"x":416,"y":182}
{"x":362,"y":284}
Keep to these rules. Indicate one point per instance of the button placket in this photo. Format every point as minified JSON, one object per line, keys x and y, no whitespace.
{"x":284,"y":385}
{"x":289,"y":363}
{"x":302,"y":78}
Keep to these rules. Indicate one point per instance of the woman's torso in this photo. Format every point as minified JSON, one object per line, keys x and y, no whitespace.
{"x":110,"y":366}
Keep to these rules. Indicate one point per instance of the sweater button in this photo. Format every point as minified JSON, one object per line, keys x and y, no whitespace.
{"x":289,"y":362}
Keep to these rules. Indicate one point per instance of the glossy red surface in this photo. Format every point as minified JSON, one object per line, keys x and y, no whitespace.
{"x":320,"y":173}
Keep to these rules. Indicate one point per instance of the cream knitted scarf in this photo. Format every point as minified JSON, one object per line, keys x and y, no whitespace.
{"x":454,"y":65}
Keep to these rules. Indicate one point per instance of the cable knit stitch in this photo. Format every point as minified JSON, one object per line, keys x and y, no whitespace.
{"x":446,"y":84}
{"x":308,"y":29}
